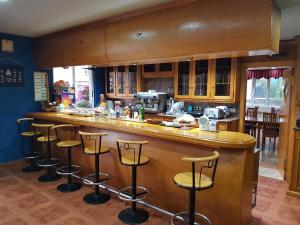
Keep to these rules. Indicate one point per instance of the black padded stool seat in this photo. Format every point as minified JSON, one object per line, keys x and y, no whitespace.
{"x":32,"y":156}
{"x":92,"y":145}
{"x":130,"y":154}
{"x":66,"y":136}
{"x":46,"y":138}
{"x":195,"y":181}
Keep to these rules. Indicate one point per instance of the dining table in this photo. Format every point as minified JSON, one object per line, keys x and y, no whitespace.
{"x":258,"y":121}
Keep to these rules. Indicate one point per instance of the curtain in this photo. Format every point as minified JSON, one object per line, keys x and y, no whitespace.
{"x":268,"y":74}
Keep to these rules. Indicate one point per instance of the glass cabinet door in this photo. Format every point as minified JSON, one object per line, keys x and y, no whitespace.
{"x":110,"y":81}
{"x":121,"y":80}
{"x":201,"y":78}
{"x":223,"y":77}
{"x":183,"y":79}
{"x":132,"y":79}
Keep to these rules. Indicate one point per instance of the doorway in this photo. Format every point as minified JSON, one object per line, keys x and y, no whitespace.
{"x":268,"y":92}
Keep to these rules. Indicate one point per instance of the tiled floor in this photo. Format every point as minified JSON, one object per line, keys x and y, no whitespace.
{"x":25,"y":201}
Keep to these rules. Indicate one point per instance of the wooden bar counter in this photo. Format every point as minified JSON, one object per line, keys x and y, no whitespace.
{"x":229,"y":202}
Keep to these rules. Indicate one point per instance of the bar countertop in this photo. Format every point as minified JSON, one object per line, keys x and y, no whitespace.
{"x":223,"y":139}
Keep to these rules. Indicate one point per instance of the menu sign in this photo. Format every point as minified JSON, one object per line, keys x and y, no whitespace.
{"x":40,"y":86}
{"x":11,"y":75}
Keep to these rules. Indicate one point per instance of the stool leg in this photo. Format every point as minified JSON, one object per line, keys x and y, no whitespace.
{"x":96,"y":197}
{"x":192,"y":208}
{"x":33,"y":164}
{"x":69,"y":186}
{"x":133,"y":186}
{"x":49,"y":176}
{"x":133,"y":215}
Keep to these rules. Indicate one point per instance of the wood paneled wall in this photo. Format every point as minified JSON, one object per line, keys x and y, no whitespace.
{"x":197,"y":29}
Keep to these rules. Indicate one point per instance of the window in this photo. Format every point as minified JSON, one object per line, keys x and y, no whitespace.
{"x":265,"y":92}
{"x":80,"y":78}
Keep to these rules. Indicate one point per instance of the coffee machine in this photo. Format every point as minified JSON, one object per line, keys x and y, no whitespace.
{"x":151,"y":101}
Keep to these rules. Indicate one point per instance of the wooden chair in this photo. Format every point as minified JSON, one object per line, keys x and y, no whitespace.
{"x":250,"y":128}
{"x":270,"y":129}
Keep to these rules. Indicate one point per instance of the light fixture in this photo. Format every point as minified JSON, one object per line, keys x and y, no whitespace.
{"x":192,"y":26}
{"x":142,"y":35}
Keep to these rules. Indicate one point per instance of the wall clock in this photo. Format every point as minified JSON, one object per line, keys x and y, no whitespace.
{"x":7,"y":45}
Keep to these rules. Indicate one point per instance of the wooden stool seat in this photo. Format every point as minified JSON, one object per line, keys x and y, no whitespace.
{"x":30,"y":133}
{"x":185,"y":180}
{"x":131,"y":160}
{"x":45,"y":139}
{"x":67,"y":144}
{"x":93,"y":150}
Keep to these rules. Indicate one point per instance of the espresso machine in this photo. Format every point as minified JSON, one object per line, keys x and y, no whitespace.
{"x":151,"y":101}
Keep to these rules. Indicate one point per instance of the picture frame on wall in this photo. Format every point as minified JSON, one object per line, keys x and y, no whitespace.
{"x":7,"y":45}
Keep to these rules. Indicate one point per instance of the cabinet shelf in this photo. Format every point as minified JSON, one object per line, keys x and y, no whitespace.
{"x":203,"y":80}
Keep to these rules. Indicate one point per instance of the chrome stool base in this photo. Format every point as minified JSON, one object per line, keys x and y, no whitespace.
{"x":64,"y":170}
{"x":125,"y":194}
{"x":32,"y":168}
{"x":133,"y":217}
{"x":91,"y":180}
{"x":49,"y":177}
{"x":69,"y":187}
{"x":182,"y":218}
{"x":48,"y":163}
{"x":95,"y":199}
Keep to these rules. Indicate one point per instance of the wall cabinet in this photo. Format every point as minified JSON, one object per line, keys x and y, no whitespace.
{"x":158,"y":70}
{"x":206,"y":79}
{"x":122,"y":81}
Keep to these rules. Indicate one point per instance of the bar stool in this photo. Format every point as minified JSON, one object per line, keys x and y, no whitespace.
{"x":66,"y":136}
{"x":92,"y":145}
{"x":46,"y":138}
{"x":130,"y":155}
{"x":25,"y":129}
{"x":193,"y":181}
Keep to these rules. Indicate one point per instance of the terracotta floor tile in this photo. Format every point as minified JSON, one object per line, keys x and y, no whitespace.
{"x":289,"y":213}
{"x":15,"y":222}
{"x":8,"y":182}
{"x":32,"y":200}
{"x":5,"y":213}
{"x":18,"y":192}
{"x":49,"y":213}
{"x":26,"y":201}
{"x":72,"y":221}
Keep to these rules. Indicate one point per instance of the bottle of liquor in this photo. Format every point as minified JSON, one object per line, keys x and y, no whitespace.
{"x":142,"y":114}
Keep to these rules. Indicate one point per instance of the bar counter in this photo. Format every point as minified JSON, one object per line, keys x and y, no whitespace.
{"x":228,"y":200}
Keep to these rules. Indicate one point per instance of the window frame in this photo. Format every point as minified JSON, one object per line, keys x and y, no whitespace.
{"x":253,"y":91}
{"x":91,"y":83}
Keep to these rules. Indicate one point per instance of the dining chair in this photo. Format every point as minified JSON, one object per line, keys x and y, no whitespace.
{"x":250,"y":127}
{"x":270,"y":129}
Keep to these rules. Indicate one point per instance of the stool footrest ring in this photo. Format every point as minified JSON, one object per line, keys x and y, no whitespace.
{"x":125,"y":194}
{"x":31,"y":155}
{"x":48,"y":163}
{"x":64,"y":170}
{"x":91,"y":180}
{"x":182,"y":218}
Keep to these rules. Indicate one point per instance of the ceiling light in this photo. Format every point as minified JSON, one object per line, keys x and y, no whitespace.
{"x":142,"y":35}
{"x":192,"y":26}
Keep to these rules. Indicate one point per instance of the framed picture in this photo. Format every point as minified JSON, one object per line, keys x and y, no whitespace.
{"x":7,"y":45}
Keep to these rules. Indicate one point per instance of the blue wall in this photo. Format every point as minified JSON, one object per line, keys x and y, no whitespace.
{"x":15,"y":101}
{"x":99,"y":81}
